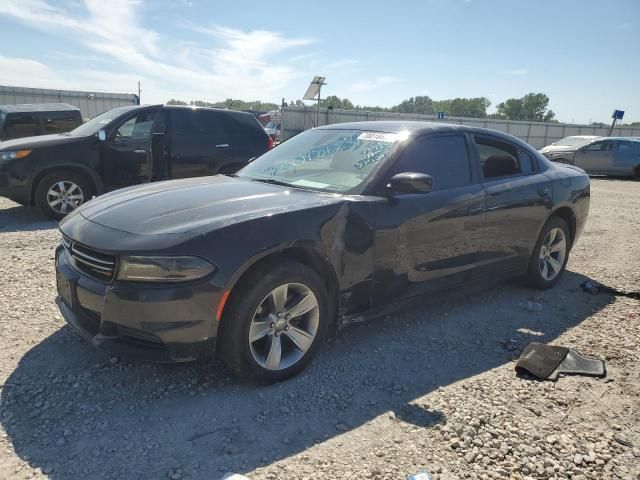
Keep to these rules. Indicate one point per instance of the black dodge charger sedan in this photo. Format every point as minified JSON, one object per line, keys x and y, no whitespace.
{"x":335,"y":225}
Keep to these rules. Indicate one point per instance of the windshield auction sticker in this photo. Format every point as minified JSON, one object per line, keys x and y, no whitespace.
{"x":379,"y":137}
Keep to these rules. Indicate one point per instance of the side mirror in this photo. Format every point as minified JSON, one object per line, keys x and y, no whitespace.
{"x":102,"y":135}
{"x":410,"y":182}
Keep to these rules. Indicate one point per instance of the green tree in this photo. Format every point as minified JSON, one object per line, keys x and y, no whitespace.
{"x":531,"y":107}
{"x":421,"y":104}
{"x":463,"y":107}
{"x":176,"y":102}
{"x":336,"y":102}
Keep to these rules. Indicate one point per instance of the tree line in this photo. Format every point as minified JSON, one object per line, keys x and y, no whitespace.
{"x":530,"y":107}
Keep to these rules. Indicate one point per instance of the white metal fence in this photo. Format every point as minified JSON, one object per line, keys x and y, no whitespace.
{"x":89,"y":103}
{"x":538,"y":135}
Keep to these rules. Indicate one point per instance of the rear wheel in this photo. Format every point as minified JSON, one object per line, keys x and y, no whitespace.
{"x":636,"y":173}
{"x":59,"y":193}
{"x":274,"y":323}
{"x":550,"y":255}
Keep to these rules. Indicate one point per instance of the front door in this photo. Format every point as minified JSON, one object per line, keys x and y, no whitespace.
{"x":428,"y":242}
{"x":126,"y":158}
{"x":596,"y":157}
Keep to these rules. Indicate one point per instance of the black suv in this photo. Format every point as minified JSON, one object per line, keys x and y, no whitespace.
{"x":31,"y":119}
{"x":126,"y":146}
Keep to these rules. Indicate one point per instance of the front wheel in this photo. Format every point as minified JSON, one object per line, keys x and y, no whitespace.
{"x":275,"y":322}
{"x":59,"y":193}
{"x":550,"y":254}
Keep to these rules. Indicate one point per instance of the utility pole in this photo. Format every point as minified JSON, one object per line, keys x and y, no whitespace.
{"x":139,"y":91}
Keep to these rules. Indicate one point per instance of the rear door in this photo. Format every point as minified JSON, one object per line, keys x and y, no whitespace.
{"x":596,"y":157}
{"x":519,"y":199}
{"x":125,"y":156}
{"x":249,"y":140}
{"x":626,"y":155}
{"x":199,"y":142}
{"x":428,"y":242}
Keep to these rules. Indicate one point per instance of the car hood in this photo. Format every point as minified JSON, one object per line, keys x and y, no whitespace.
{"x":558,"y":148}
{"x":37,"y":142}
{"x":181,"y":206}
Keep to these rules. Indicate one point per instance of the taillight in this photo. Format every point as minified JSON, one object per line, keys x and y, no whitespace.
{"x":269,"y":143}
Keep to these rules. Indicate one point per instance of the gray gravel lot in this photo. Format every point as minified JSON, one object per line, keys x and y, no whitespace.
{"x":431,"y":388}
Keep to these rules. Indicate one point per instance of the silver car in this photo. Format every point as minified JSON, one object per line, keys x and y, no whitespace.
{"x":564,"y":149}
{"x":616,"y":156}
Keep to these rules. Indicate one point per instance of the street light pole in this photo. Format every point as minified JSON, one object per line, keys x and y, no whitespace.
{"x":318,"y":109}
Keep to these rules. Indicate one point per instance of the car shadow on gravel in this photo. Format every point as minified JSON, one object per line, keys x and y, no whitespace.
{"x":76,"y":412}
{"x":24,"y":219}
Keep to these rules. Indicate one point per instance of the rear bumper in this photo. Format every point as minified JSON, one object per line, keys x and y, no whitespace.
{"x":167,"y":324}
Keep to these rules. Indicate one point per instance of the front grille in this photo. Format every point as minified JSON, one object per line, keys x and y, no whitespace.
{"x":95,"y":264}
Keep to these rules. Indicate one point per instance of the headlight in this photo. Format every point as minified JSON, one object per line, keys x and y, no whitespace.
{"x":163,"y":269}
{"x":14,"y":154}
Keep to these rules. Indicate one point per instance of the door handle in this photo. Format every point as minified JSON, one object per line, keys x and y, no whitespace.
{"x":222,"y":145}
{"x":139,"y":152}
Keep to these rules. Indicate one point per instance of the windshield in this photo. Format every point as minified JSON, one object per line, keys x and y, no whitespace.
{"x":272,"y":125}
{"x":96,"y":123}
{"x":327,"y":160}
{"x":573,"y":141}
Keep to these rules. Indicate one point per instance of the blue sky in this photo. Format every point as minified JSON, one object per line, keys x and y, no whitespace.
{"x":583,"y":54}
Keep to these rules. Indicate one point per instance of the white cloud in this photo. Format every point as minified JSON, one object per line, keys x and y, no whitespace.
{"x":373,"y":84}
{"x":232,"y":63}
{"x":517,"y":71}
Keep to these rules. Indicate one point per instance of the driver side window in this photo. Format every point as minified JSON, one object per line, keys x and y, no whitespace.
{"x":599,"y":146}
{"x":137,"y":127}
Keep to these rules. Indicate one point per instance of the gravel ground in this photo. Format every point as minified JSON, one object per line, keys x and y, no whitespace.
{"x":433,"y":388}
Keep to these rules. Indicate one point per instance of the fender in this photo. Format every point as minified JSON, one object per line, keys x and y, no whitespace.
{"x":309,"y":245}
{"x":97,"y":181}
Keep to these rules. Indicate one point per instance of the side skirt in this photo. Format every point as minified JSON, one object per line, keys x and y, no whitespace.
{"x":473,"y":286}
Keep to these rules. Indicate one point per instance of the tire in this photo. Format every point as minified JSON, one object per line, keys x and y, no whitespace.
{"x":257,"y":295}
{"x":547,"y":264}
{"x":78,"y":188}
{"x":636,"y":173}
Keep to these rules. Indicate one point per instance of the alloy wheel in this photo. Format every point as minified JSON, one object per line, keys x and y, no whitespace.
{"x":64,"y":196}
{"x":284,"y":326}
{"x":552,"y":254}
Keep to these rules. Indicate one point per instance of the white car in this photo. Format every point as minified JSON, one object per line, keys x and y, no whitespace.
{"x":564,"y":149}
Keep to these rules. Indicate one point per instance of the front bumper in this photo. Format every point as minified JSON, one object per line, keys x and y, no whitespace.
{"x":158,"y":323}
{"x":14,"y":182}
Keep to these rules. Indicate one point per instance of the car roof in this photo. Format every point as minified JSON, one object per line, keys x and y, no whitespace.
{"x":37,"y":107}
{"x":419,"y":128}
{"x":223,"y":110}
{"x":632,"y":139}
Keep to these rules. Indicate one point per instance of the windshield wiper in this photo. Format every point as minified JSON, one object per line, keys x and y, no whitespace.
{"x":272,"y":181}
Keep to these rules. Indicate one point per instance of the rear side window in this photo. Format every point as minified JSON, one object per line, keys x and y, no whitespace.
{"x":627,"y":147}
{"x":501,"y":159}
{"x":201,"y":123}
{"x":21,"y":125}
{"x":55,"y":122}
{"x":445,"y":158}
{"x":244,"y":125}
